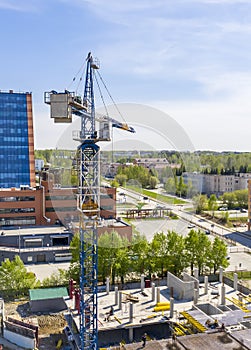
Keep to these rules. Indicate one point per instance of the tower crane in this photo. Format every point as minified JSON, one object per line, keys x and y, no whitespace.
{"x":62,"y":106}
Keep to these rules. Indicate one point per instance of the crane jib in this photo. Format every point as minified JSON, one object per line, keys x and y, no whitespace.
{"x":123,"y":127}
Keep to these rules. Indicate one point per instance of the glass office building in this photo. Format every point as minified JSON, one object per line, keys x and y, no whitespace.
{"x":17,"y":166}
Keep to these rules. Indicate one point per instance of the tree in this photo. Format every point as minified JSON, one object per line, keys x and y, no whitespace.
{"x":175,"y":253}
{"x":153,"y":181}
{"x":218,"y":254}
{"x":59,"y":278}
{"x":159,"y":249}
{"x":192,"y":247}
{"x":138,"y":252}
{"x":212,"y":203}
{"x":229,"y":198}
{"x":241,"y":198}
{"x":114,"y":183}
{"x":202,"y":258}
{"x":112,"y":259}
{"x":121,"y":179}
{"x":170,"y":185}
{"x":15,"y":278}
{"x":75,"y":248}
{"x":200,"y":203}
{"x":181,"y":188}
{"x":122,"y":263}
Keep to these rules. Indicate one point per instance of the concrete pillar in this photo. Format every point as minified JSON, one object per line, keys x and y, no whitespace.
{"x":130,"y":312}
{"x":240,"y":298}
{"x":171,"y":307}
{"x":221,"y":275}
{"x":195,"y":296}
{"x":223,"y":295}
{"x":206,"y":284}
{"x":107,"y":285}
{"x":130,"y":334}
{"x":158,"y":295}
{"x":196,"y":273}
{"x":142,"y":283}
{"x":120,"y":300}
{"x":153,"y":291}
{"x":116,"y":296}
{"x":235,"y":281}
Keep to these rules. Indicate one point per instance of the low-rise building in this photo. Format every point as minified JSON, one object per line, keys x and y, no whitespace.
{"x":216,"y":183}
{"x":47,"y":204}
{"x":36,"y":244}
{"x":249,"y":204}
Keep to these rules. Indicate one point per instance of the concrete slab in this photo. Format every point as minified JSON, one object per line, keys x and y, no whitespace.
{"x":212,"y":341}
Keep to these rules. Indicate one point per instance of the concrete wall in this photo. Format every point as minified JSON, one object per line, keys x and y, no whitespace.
{"x":181,"y":290}
{"x":48,"y":305}
{"x":114,"y":336}
{"x":19,"y":340}
{"x":189,"y":278}
{"x":20,"y":333}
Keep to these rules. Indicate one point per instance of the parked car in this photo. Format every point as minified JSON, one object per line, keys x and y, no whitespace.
{"x":190,"y":226}
{"x":207,"y":232}
{"x":243,"y":210}
{"x":223,"y":209}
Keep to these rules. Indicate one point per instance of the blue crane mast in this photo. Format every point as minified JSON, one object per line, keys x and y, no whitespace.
{"x":63,"y":105}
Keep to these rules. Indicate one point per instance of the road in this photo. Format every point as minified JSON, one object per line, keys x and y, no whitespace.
{"x":150,"y":227}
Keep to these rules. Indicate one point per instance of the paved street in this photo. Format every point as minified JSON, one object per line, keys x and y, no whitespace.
{"x":45,"y":270}
{"x":238,"y":259}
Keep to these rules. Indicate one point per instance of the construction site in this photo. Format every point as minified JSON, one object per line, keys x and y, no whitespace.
{"x":172,"y":313}
{"x":180,"y":309}
{"x":182,"y":314}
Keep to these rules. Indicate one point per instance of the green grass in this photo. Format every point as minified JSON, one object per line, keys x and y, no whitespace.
{"x":157,"y":196}
{"x":244,"y":275}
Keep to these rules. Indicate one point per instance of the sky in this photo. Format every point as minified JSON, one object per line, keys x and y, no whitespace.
{"x":188,"y":59}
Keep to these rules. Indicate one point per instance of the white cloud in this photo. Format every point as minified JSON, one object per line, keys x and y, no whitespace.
{"x":20,"y":6}
{"x":216,"y":124}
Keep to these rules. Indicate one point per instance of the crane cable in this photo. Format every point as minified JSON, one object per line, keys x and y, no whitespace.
{"x":100,"y":93}
{"x":82,"y":68}
{"x":106,"y":110}
{"x":111,"y":97}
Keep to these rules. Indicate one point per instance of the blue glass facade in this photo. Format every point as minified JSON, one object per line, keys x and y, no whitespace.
{"x":14,"y":140}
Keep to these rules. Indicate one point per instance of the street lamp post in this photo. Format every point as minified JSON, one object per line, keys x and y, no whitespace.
{"x":19,"y":241}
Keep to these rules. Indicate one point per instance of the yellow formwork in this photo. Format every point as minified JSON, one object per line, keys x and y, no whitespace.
{"x":194,"y":322}
{"x":240,"y":304}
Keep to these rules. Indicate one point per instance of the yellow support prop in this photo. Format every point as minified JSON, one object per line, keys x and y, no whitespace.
{"x":162,"y":304}
{"x":161,"y":308}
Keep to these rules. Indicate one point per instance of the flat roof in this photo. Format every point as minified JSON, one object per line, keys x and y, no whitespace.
{"x":48,"y":293}
{"x":36,"y":231}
